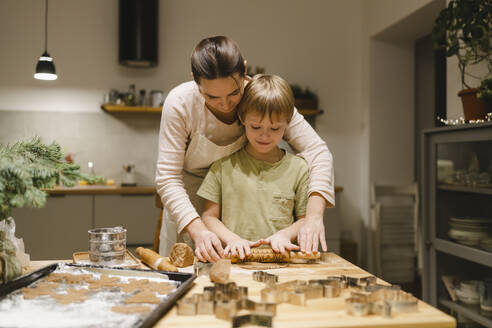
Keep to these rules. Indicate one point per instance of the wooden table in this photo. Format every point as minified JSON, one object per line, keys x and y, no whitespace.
{"x":323,"y":312}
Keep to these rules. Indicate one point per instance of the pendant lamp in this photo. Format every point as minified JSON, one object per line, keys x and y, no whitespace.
{"x":45,"y":68}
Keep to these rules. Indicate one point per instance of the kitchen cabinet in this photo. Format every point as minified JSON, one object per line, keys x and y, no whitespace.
{"x":457,"y":172}
{"x":60,"y":228}
{"x":137,"y":213}
{"x":56,"y":230}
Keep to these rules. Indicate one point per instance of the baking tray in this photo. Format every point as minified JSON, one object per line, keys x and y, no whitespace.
{"x":130,"y":260}
{"x":182,"y":279}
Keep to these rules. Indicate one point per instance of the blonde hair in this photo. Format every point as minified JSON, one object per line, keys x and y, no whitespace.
{"x":267,"y":95}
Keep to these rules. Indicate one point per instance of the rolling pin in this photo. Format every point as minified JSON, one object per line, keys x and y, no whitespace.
{"x":268,"y":255}
{"x":154,"y":260}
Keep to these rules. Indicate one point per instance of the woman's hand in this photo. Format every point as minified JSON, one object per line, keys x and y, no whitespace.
{"x":208,"y":247}
{"x":312,"y":229}
{"x":240,"y":247}
{"x":311,"y":232}
{"x":281,"y":241}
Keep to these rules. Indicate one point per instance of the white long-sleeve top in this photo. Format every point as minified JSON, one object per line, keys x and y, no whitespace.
{"x":184,"y":113}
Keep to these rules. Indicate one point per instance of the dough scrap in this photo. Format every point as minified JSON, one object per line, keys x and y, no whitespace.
{"x":104,"y":282}
{"x":72,"y":295}
{"x":220,"y":271}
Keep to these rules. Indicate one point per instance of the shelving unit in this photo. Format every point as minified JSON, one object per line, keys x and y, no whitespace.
{"x":443,"y":256}
{"x":468,"y":311}
{"x":476,"y":189}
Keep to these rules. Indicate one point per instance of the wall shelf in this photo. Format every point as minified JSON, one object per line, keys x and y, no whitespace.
{"x":465,"y":252}
{"x":130,"y":109}
{"x":146,"y":109}
{"x":470,"y":311}
{"x":310,"y":112}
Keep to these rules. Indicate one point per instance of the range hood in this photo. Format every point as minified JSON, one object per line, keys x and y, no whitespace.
{"x":138,"y":33}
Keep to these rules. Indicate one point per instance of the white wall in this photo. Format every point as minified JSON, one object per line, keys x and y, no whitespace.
{"x":314,"y":43}
{"x":343,"y":50}
{"x":390,"y":28}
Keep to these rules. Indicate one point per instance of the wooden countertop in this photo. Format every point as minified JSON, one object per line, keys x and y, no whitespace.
{"x":323,"y":312}
{"x":102,"y":190}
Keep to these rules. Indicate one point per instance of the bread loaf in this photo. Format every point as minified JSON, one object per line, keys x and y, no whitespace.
{"x":181,"y":255}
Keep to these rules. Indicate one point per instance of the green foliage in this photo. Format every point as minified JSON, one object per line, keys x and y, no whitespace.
{"x":464,"y":30}
{"x":26,"y":168}
{"x":485,"y":92}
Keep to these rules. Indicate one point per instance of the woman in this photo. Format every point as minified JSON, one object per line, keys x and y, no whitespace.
{"x":199,"y":126}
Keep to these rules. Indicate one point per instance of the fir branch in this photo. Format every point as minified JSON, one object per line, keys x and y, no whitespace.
{"x":26,"y":168}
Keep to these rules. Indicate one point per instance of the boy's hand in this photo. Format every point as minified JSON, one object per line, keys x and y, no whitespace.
{"x":280,"y":242}
{"x":240,"y":247}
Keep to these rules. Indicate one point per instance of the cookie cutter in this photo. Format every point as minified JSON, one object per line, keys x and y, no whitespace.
{"x":262,"y":320}
{"x":295,"y":292}
{"x":360,"y":281}
{"x":331,"y":287}
{"x":225,"y":292}
{"x":382,"y":301}
{"x":196,"y":304}
{"x":202,"y":268}
{"x":227,"y":310}
{"x":205,"y":303}
{"x":262,"y":276}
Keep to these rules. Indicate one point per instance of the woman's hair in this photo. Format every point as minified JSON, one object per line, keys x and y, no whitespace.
{"x":267,"y":95}
{"x":216,"y":57}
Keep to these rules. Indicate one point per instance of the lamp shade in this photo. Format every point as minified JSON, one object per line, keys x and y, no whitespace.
{"x":45,"y":68}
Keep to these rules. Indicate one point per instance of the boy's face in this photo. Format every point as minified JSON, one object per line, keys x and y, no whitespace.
{"x":264,"y":135}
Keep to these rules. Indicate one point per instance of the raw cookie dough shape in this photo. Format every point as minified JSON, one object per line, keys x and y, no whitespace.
{"x":145,"y":296}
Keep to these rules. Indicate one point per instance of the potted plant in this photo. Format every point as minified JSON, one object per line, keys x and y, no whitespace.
{"x":463,"y":29}
{"x":304,"y":98}
{"x":26,"y":169}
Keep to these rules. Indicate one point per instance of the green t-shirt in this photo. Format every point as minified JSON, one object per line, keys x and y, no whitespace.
{"x":257,"y":198}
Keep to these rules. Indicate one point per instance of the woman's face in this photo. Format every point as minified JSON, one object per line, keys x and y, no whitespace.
{"x":222,"y":94}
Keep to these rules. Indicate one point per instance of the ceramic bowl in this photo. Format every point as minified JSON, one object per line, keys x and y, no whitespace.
{"x":470,"y":238}
{"x":468,"y":292}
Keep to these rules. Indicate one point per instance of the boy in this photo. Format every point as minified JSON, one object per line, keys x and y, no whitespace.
{"x":252,"y":195}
